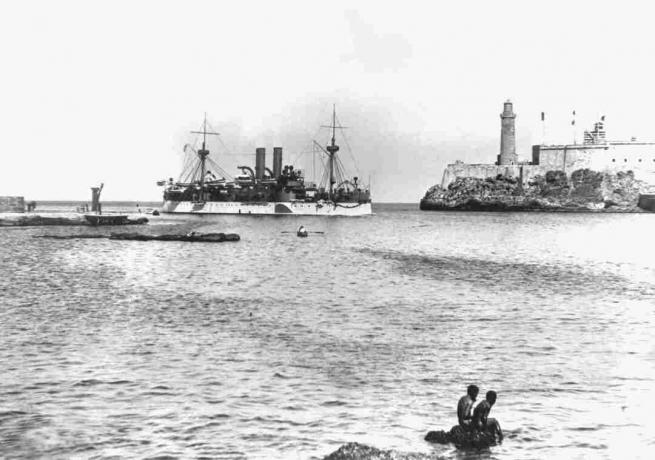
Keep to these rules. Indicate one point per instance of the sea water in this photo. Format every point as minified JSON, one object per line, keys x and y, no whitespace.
{"x":285,"y":347}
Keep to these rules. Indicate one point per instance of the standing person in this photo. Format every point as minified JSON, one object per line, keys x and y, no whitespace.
{"x":465,"y":405}
{"x":481,"y":413}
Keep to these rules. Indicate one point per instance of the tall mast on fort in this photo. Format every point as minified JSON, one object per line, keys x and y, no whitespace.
{"x":508,"y":154}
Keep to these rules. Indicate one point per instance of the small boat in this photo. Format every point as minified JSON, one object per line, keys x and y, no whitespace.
{"x":151,"y":211}
{"x":302,"y":232}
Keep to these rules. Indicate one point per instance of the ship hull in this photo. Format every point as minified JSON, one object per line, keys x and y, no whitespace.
{"x":267,"y":208}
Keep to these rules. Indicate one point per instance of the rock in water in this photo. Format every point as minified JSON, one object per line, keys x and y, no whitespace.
{"x":192,"y":237}
{"x":71,"y":237}
{"x":461,"y":438}
{"x":440,"y":437}
{"x":353,"y":450}
{"x":356,"y":451}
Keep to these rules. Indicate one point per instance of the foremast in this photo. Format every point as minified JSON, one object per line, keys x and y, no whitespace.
{"x":332,"y":149}
{"x":203,"y":153}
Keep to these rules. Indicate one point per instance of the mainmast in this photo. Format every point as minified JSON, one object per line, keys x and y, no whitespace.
{"x":203,"y":153}
{"x":333,"y":148}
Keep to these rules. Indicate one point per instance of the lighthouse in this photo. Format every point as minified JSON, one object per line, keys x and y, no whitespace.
{"x":507,"y":136}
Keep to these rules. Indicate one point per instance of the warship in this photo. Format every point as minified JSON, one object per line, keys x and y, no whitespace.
{"x":262,"y":191}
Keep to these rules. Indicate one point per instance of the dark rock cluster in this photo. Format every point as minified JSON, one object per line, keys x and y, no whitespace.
{"x":584,"y":190}
{"x":457,"y":436}
{"x":461,"y":438}
{"x":356,"y":451}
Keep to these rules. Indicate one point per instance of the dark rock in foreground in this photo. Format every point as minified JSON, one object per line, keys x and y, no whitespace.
{"x":584,"y":191}
{"x":462,"y":439}
{"x":356,"y":451}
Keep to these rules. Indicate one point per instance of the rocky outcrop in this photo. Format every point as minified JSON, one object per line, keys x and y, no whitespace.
{"x":461,"y":438}
{"x":457,"y":436}
{"x":584,"y":190}
{"x":356,"y":451}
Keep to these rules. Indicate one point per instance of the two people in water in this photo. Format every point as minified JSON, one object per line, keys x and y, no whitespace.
{"x":479,"y":420}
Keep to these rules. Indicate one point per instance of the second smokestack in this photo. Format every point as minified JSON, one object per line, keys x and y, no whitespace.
{"x":260,"y":163}
{"x":277,"y":162}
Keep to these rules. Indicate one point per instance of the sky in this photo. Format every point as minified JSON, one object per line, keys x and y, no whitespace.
{"x":107,"y":91}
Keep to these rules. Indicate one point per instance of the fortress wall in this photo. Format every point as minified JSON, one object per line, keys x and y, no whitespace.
{"x":12,"y":204}
{"x":479,"y":171}
{"x":639,"y":158}
{"x":528,"y":172}
{"x":636,"y":157}
{"x":565,"y":159}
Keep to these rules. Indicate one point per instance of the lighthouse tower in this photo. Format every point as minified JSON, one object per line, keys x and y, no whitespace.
{"x":508,"y":154}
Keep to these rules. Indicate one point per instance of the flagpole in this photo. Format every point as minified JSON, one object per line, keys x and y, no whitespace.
{"x":574,"y":133}
{"x":543,"y":128}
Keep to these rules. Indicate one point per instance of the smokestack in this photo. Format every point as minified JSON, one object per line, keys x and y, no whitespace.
{"x":260,"y":163}
{"x":277,"y":162}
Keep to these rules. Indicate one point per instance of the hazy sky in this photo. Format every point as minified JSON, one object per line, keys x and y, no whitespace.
{"x":95,"y":91}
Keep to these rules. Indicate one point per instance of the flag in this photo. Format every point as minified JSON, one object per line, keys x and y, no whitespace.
{"x":572,"y":122}
{"x":602,"y":118}
{"x":574,"y":113}
{"x":543,"y":116}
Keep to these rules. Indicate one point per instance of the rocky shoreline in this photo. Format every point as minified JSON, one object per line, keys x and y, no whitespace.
{"x":59,"y":219}
{"x":584,"y":190}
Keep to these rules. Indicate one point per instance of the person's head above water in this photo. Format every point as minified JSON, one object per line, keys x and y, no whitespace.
{"x":491,"y":397}
{"x":473,"y":391}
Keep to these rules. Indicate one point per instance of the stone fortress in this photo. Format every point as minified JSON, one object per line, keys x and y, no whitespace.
{"x":12,"y":204}
{"x":596,"y":153}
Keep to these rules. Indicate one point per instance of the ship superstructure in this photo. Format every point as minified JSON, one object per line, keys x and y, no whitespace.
{"x":205,"y":188}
